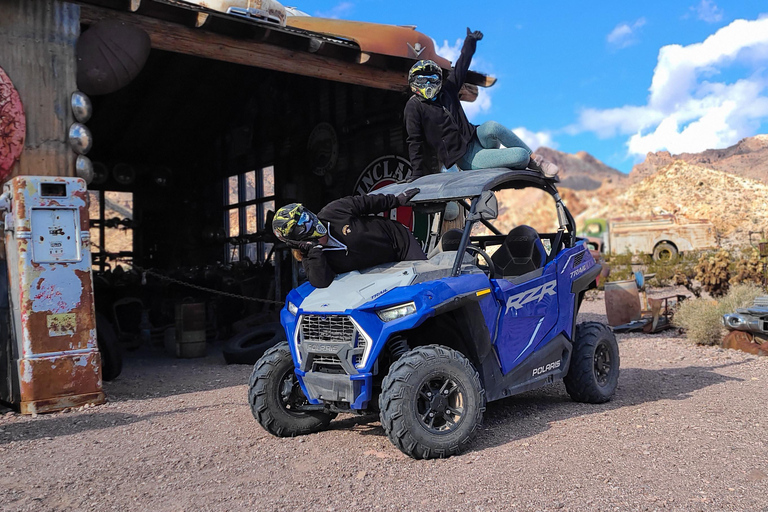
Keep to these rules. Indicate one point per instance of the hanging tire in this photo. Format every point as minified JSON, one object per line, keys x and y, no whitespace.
{"x":109,"y":347}
{"x":665,"y":252}
{"x":247,"y":347}
{"x":432,"y":402}
{"x":594,"y":371}
{"x":276,"y":397}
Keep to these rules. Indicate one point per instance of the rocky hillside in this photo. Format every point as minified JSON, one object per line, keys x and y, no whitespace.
{"x":748,"y":158}
{"x":582,"y":171}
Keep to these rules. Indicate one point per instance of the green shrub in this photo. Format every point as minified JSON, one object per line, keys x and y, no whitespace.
{"x":701,"y":317}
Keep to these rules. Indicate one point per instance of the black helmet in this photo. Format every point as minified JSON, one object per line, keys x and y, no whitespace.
{"x":426,"y":78}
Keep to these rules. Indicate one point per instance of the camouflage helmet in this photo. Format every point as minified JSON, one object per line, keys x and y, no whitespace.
{"x":296,"y":223}
{"x":426,"y":78}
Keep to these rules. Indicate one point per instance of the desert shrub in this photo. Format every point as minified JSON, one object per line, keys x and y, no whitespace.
{"x":701,"y":317}
{"x":748,"y":268}
{"x":671,"y":272}
{"x":621,"y":267}
{"x":713,"y":272}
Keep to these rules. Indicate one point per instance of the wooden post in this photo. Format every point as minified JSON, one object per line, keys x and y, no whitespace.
{"x":37,"y":51}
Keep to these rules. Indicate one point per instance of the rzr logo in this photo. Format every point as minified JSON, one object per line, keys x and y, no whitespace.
{"x":532,"y":295}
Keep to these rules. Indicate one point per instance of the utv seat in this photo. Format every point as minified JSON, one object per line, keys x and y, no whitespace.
{"x":521,"y":252}
{"x":449,"y":241}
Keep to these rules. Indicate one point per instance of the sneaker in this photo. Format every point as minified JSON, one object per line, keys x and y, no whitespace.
{"x":546,"y":167}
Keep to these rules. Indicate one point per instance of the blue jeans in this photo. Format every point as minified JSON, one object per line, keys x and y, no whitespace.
{"x":484,"y":152}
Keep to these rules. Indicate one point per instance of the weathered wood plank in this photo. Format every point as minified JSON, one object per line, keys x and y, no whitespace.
{"x":37,"y":51}
{"x":191,"y":41}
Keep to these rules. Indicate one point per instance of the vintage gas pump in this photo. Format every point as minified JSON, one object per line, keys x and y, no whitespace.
{"x":49,"y":360}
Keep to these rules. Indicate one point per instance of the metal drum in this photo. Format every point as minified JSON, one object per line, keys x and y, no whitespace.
{"x":190,"y":330}
{"x":622,"y":302}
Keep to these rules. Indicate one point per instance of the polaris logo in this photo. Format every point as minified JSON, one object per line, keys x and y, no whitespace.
{"x":541,"y":370}
{"x":532,"y":295}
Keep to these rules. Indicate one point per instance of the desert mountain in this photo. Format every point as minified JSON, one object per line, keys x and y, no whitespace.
{"x":748,"y":158}
{"x":581,"y":171}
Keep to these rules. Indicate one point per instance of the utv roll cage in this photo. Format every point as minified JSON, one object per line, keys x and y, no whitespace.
{"x":437,"y":190}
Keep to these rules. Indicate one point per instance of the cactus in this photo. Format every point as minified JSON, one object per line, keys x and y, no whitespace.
{"x":713,"y":273}
{"x":749,"y":269}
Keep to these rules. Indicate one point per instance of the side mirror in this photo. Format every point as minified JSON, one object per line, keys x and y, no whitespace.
{"x":486,"y":207}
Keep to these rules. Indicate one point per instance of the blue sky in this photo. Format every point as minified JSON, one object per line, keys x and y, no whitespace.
{"x":615,"y":79}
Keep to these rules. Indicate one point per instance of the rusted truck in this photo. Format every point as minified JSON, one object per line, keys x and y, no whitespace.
{"x":663,"y":236}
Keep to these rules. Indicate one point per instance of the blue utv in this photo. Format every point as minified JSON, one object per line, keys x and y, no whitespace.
{"x":427,"y":343}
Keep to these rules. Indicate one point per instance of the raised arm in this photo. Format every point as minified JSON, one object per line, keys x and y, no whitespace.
{"x":459,"y":73}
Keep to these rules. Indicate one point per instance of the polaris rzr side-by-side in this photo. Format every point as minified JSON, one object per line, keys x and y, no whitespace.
{"x":428,"y":343}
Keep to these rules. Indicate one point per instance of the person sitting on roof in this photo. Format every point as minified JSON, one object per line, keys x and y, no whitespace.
{"x":434,"y":117}
{"x":346,"y":235}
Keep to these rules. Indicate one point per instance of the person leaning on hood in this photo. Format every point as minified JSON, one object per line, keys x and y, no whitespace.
{"x":346,"y":235}
{"x":434,"y":118}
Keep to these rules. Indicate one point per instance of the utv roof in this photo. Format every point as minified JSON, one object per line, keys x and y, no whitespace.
{"x":448,"y":186}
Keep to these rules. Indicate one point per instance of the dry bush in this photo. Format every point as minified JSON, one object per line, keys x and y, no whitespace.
{"x":748,"y":268}
{"x":701,"y":317}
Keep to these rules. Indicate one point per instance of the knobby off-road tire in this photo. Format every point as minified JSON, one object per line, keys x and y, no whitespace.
{"x":594,"y":371}
{"x":432,"y":402}
{"x":275,"y":394}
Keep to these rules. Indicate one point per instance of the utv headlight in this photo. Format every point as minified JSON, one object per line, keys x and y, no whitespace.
{"x":292,"y":309}
{"x":395,"y":312}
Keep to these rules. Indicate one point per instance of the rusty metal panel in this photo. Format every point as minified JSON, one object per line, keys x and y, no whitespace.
{"x":52,"y":299}
{"x":37,"y":51}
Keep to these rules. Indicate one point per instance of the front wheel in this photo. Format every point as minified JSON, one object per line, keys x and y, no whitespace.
{"x":276,"y":398}
{"x":594,"y":371}
{"x":432,"y":402}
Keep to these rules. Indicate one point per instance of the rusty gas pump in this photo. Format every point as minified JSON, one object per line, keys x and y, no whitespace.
{"x":49,"y":358}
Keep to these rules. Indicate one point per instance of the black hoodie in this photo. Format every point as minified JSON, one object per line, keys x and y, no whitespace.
{"x":370,"y":240}
{"x":441,"y":123}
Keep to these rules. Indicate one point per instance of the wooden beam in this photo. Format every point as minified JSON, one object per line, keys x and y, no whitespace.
{"x":177,"y":38}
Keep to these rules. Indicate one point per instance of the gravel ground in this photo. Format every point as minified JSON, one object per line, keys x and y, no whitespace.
{"x":685,"y":431}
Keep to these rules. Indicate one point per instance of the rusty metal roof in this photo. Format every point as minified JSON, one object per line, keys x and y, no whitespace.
{"x":369,"y":54}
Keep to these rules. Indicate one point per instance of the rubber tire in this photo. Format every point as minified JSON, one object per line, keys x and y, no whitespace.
{"x":581,"y":382}
{"x":397,"y":402}
{"x":247,"y":347}
{"x":662,"y":248}
{"x":266,"y":404}
{"x":109,"y":347}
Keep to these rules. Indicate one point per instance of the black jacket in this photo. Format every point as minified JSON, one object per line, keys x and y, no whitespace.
{"x":370,"y":240}
{"x":441,"y":123}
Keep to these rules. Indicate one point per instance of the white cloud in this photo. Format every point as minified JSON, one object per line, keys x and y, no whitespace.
{"x":625,"y":34}
{"x":688,"y":110}
{"x":708,"y":11}
{"x":337,"y":11}
{"x":535,"y":140}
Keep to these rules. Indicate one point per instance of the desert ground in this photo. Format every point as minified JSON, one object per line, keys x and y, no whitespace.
{"x":685,"y":431}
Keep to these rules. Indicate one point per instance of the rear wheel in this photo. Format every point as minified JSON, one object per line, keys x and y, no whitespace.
{"x":665,"y":252}
{"x":594,"y":371}
{"x":276,"y":398}
{"x":432,"y":402}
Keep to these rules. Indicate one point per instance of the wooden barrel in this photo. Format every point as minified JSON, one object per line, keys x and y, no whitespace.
{"x":190,"y":329}
{"x":622,"y":302}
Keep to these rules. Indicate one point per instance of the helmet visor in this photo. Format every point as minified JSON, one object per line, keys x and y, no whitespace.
{"x":426,"y":80}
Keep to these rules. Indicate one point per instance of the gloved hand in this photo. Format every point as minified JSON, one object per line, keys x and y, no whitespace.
{"x":404,"y":199}
{"x":307,"y":245}
{"x":476,"y":35}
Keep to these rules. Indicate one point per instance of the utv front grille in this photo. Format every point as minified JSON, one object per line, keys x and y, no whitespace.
{"x":328,"y":342}
{"x":331,"y":329}
{"x":327,"y":329}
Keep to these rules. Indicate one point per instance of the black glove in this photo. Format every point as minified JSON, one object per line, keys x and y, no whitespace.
{"x":306,"y":246}
{"x":404,"y":198}
{"x":476,"y":35}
